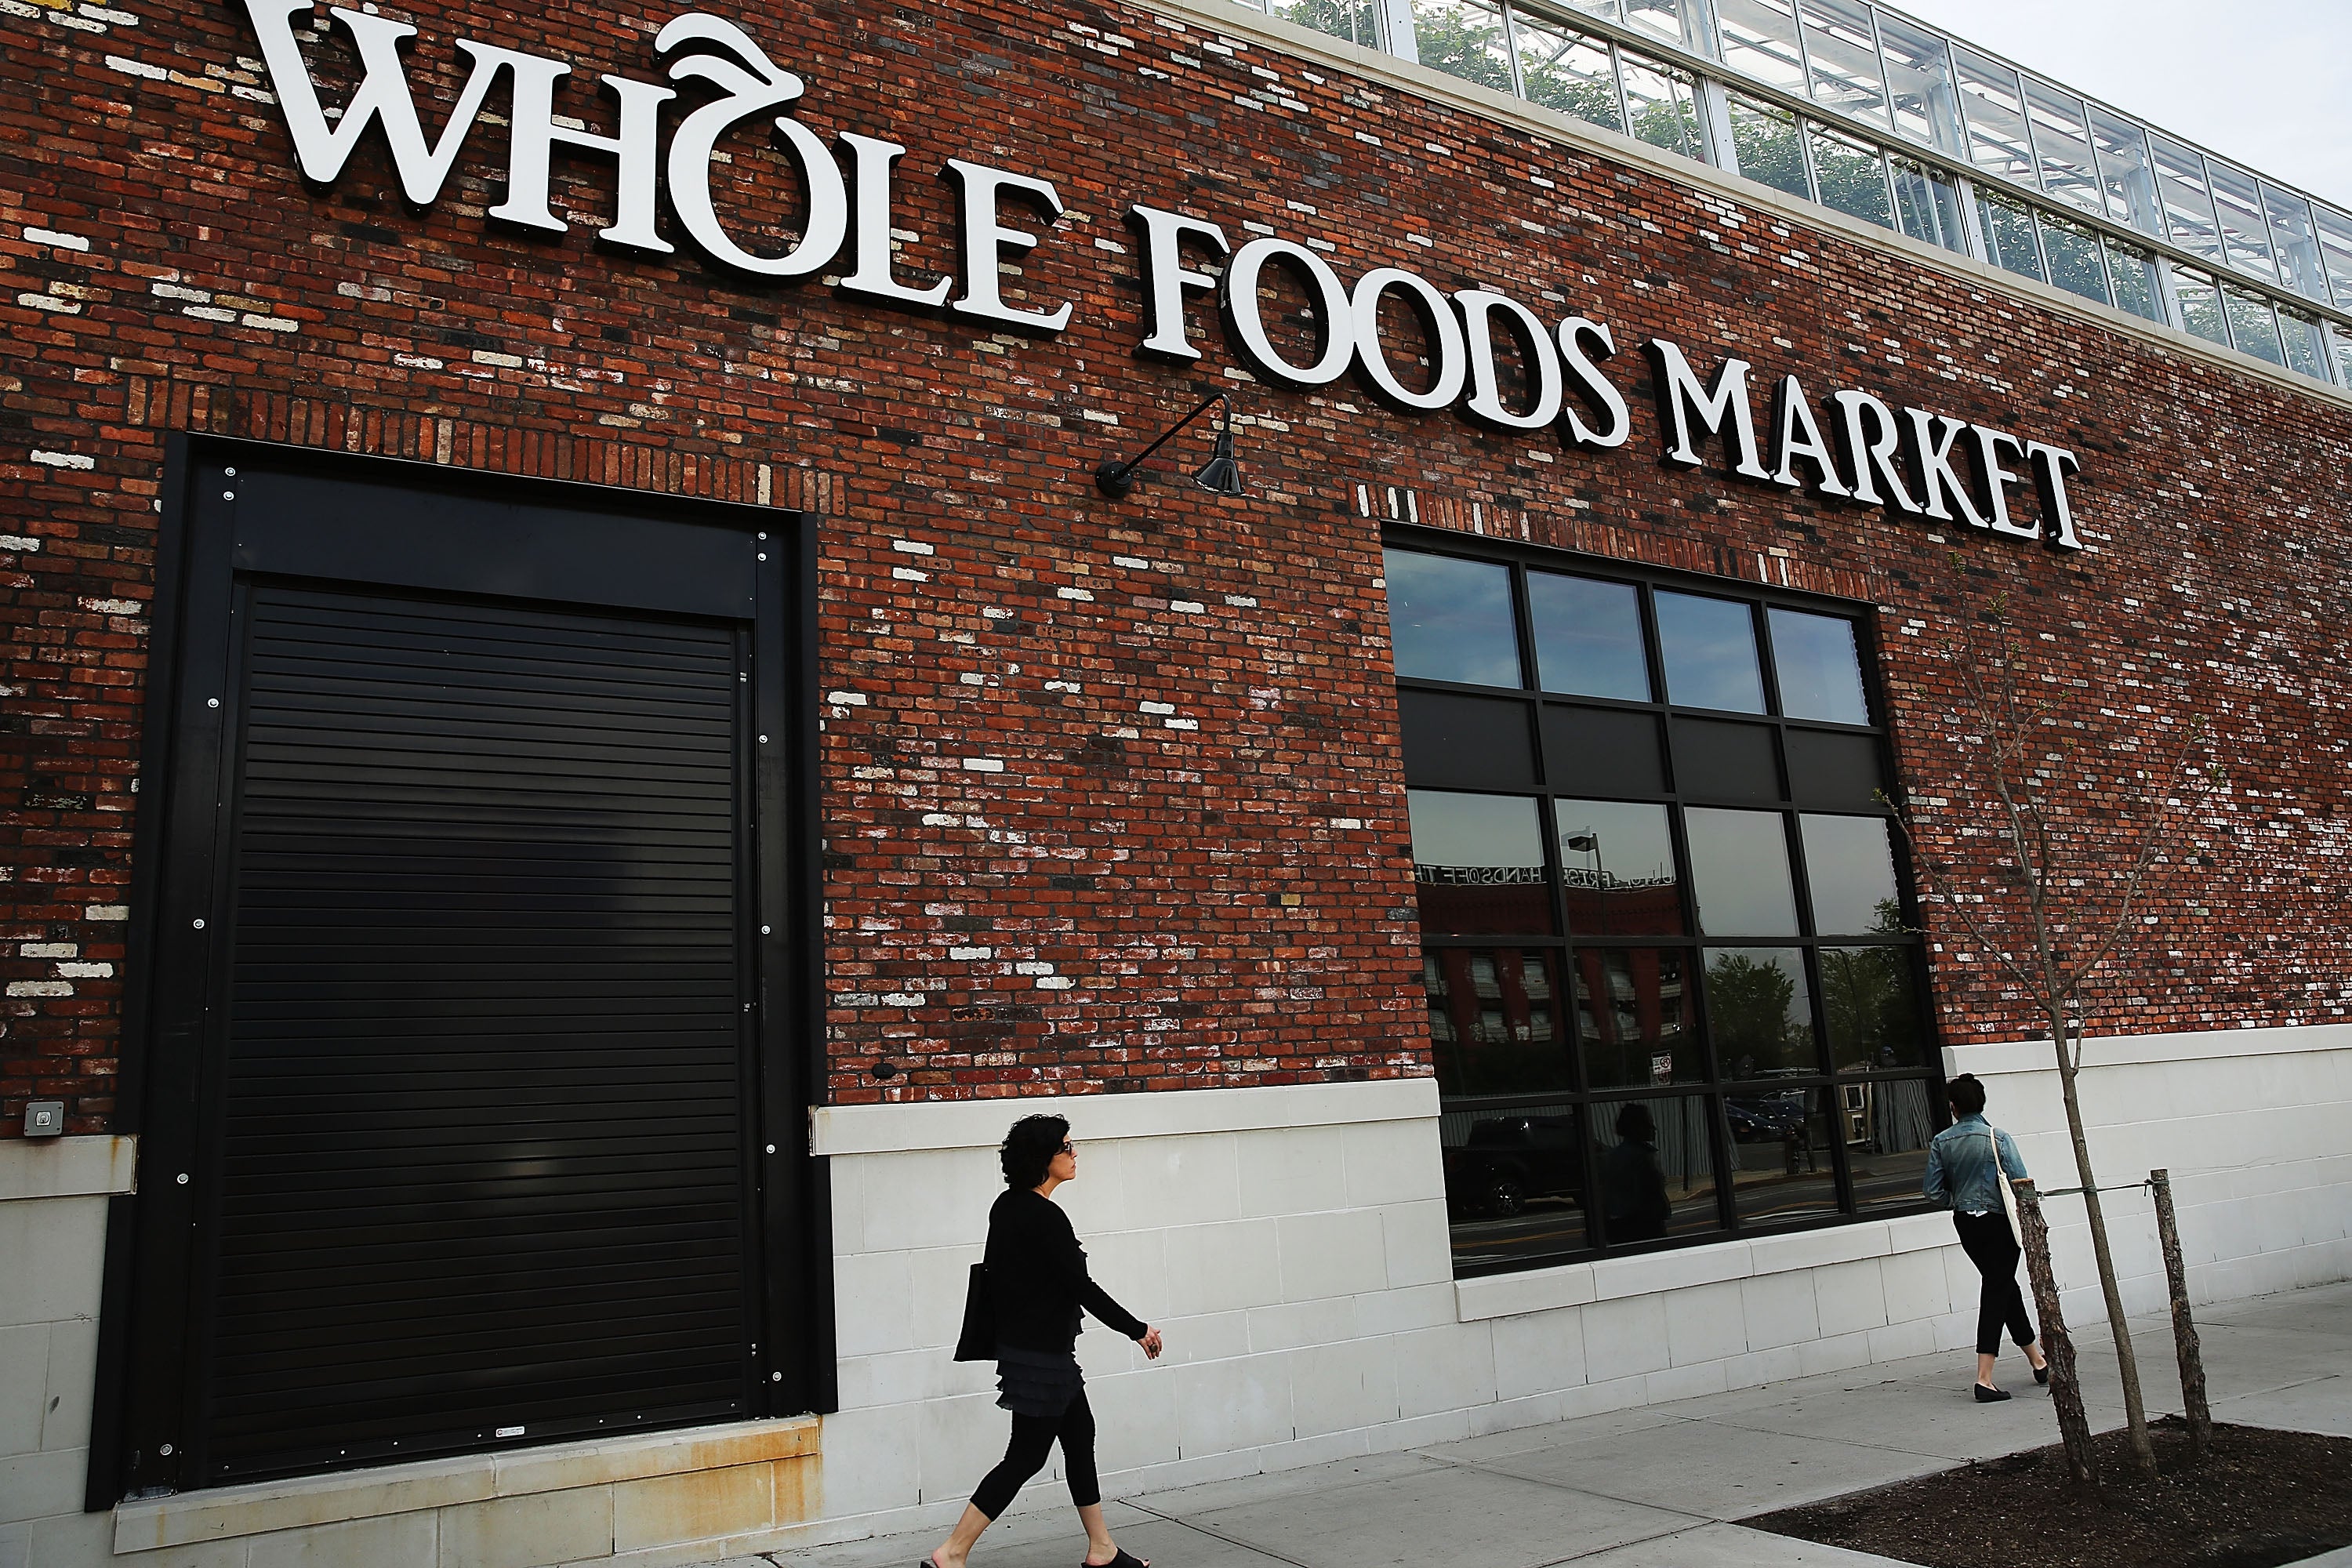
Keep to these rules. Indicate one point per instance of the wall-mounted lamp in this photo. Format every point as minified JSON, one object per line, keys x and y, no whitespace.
{"x":1220,"y":474}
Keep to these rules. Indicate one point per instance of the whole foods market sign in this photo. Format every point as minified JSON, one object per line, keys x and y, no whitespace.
{"x":1849,"y":444}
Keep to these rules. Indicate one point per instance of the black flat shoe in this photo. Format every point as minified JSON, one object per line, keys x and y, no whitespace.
{"x":2041,"y":1374}
{"x":1989,"y":1396}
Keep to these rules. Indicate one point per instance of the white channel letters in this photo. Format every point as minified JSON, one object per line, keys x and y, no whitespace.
{"x":1910,"y":463}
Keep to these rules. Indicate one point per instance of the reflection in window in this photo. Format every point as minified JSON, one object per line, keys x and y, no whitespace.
{"x":2306,"y":343}
{"x":1927,"y":204}
{"x":1358,"y":21}
{"x":1852,"y":178}
{"x":1760,"y":1013}
{"x":1464,"y":38}
{"x":1995,"y":117}
{"x":2063,"y":144}
{"x":1919,"y":79}
{"x":2340,"y":339}
{"x":2124,"y":172}
{"x":1888,"y":1129}
{"x":1662,"y":108}
{"x":2245,"y":232}
{"x":1850,"y":872}
{"x":1760,"y":40}
{"x":1739,"y":872}
{"x":1451,"y":619}
{"x":1478,"y":862}
{"x":1782,"y":1165}
{"x":2336,"y":252}
{"x":2293,"y":241}
{"x":1635,"y":1016}
{"x":2188,"y":205}
{"x":1600,"y":936}
{"x":1513,"y":1181}
{"x":1709,"y":648}
{"x":2132,"y":271}
{"x":1657,"y":1167}
{"x":1870,"y":1004}
{"x":1682,"y":23}
{"x":2200,"y":305}
{"x":2252,"y":329}
{"x":2008,"y":233}
{"x":1588,"y":637}
{"x":1566,"y":72}
{"x":1819,"y":666}
{"x":1768,"y":146}
{"x":1493,"y":1020}
{"x":2072,"y":250}
{"x":1843,"y":52}
{"x":1617,"y":857}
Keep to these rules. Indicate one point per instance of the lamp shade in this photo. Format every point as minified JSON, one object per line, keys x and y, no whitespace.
{"x":1221,"y":474}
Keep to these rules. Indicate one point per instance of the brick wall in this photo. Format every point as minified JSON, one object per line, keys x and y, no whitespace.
{"x":1113,"y":791}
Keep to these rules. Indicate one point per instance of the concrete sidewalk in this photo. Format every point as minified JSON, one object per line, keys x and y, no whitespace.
{"x":1664,"y":1486}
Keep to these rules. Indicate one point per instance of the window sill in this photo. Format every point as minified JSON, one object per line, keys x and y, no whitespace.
{"x":1743,"y":1258}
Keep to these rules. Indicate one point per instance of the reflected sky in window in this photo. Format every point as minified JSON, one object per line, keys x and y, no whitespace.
{"x":1709,"y":647}
{"x":1451,"y":619}
{"x":1588,"y":637}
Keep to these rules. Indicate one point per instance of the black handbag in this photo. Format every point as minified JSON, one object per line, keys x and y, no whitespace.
{"x":978,"y":1340}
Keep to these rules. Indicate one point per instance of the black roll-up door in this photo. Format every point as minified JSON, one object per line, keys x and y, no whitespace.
{"x":481,"y":1104}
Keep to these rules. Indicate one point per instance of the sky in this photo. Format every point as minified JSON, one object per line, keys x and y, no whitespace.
{"x":2265,"y":83}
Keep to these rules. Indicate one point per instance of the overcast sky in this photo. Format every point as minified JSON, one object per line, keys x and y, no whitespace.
{"x":2266,"y":81}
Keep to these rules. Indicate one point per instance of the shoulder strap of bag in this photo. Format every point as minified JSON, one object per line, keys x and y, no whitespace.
{"x":2001,"y":1177}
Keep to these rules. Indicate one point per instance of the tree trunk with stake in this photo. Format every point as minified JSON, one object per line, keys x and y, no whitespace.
{"x":2057,"y":1344}
{"x":2184,"y":1328}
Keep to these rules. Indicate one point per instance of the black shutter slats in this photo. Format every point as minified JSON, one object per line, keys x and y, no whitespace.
{"x":480,"y":1150}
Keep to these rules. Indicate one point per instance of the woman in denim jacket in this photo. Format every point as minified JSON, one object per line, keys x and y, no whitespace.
{"x":1960,"y":1178}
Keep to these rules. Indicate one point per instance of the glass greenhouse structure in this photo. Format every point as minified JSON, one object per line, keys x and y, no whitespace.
{"x":1864,"y":110}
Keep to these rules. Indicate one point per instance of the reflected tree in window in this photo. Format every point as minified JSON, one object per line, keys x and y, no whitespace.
{"x":1565,"y":71}
{"x":1769,"y":147}
{"x":1337,"y":19}
{"x":1748,"y":1003}
{"x":1463,"y":40}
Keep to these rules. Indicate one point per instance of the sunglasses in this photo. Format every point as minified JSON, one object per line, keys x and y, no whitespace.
{"x":1068,"y":1147}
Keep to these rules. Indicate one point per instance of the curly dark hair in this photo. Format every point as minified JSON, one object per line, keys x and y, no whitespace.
{"x":1030,"y":1147}
{"x":1967,"y":1095}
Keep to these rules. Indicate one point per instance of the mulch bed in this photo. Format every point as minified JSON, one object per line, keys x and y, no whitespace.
{"x":2261,"y":1498}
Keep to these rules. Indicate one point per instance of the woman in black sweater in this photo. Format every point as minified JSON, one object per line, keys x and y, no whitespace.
{"x":1037,"y":1275}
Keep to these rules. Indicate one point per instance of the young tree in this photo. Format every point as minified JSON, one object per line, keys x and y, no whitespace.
{"x":2052,"y":875}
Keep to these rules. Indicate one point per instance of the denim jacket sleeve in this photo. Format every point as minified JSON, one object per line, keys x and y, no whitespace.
{"x":2011,"y":1165}
{"x":1937,"y":1189}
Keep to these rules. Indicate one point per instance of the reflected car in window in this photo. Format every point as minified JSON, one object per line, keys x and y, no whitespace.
{"x":1511,"y":1161}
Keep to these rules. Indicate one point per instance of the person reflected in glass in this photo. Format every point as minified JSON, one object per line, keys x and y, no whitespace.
{"x":1633,"y":1179}
{"x":1037,"y":1276}
{"x":1963,"y":1176}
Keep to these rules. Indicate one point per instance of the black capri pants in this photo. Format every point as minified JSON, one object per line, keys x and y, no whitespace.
{"x":1990,"y":1245}
{"x":1033,"y":1441}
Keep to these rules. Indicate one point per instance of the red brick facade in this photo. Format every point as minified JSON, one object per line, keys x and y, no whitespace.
{"x":1113,"y":791}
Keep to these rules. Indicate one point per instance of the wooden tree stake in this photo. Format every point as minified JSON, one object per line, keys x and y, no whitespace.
{"x":2184,"y":1330}
{"x":2057,"y":1346}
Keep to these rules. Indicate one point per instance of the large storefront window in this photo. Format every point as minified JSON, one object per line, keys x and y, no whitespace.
{"x":1673,"y":994}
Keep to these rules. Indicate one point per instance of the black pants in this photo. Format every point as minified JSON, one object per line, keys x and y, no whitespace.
{"x":1986,"y":1238}
{"x":1033,"y":1440}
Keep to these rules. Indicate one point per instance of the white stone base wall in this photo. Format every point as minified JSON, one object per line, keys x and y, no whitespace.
{"x":53,"y":1201}
{"x":1291,"y":1241}
{"x":2254,"y":1125}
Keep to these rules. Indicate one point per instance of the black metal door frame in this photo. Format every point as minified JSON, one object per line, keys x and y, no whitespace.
{"x":503,"y":537}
